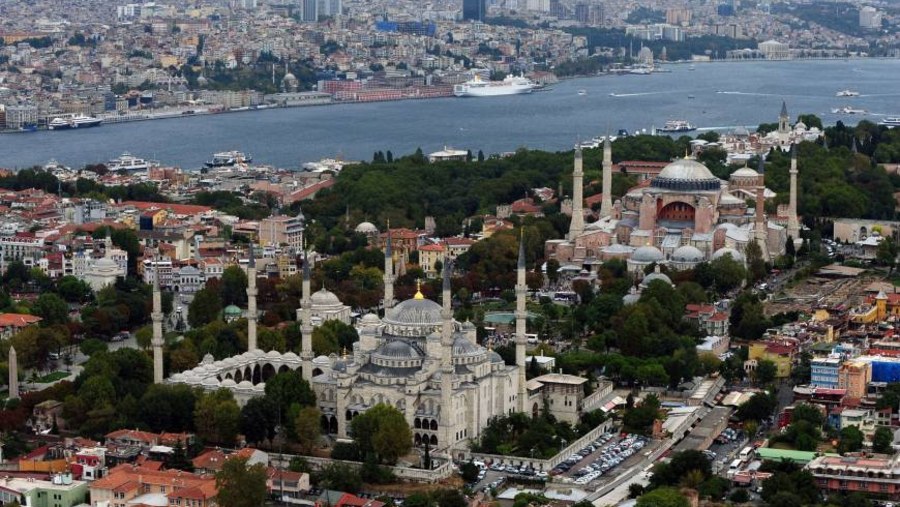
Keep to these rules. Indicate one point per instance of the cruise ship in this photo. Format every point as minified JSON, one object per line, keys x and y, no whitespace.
{"x":891,"y":121}
{"x":676,"y":126}
{"x":77,"y":121}
{"x":511,"y":85}
{"x":228,"y":159}
{"x":848,"y":110}
{"x":128,"y":163}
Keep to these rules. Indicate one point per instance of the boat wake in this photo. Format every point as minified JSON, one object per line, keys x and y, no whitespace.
{"x":641,"y":94}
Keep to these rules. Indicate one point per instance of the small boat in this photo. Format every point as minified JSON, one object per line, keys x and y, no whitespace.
{"x":228,"y":159}
{"x":677,"y":126}
{"x":848,"y":110}
{"x":847,"y":93}
{"x":691,"y":67}
{"x":582,"y":92}
{"x":690,"y":96}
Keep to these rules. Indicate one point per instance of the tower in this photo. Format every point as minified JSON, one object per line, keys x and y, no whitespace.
{"x":576,"y":227}
{"x":784,"y":126}
{"x":157,"y":340}
{"x":13,"y":374}
{"x":251,"y":301}
{"x":306,"y":353}
{"x":521,"y":315}
{"x":447,"y":412}
{"x":388,"y":273}
{"x":606,"y":202}
{"x":793,"y":225}
{"x":761,"y":232}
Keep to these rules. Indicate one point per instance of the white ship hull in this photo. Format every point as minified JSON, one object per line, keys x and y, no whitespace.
{"x":509,"y":86}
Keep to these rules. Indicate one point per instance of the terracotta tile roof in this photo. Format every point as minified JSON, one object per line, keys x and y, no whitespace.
{"x":17,"y":319}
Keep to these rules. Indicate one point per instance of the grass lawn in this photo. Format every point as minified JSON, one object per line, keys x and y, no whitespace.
{"x":53,"y":377}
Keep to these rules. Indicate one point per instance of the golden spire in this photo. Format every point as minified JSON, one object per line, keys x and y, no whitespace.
{"x":418,"y":290}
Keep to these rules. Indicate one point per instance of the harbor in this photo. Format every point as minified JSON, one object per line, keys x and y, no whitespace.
{"x":745,"y":94}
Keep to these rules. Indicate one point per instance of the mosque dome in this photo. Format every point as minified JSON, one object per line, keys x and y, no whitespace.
{"x":686,"y":174}
{"x":745,"y":172}
{"x":397,"y":349}
{"x":728,"y":251}
{"x":415,"y":312}
{"x":495,"y":357}
{"x":464,"y":348}
{"x":367,"y":228}
{"x":741,"y":132}
{"x":324,"y":297}
{"x":632,"y":297}
{"x":652,"y":277}
{"x":232,"y":311}
{"x":647,"y":254}
{"x":687,"y":253}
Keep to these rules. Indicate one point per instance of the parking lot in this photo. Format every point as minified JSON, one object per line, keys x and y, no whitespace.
{"x":601,"y":458}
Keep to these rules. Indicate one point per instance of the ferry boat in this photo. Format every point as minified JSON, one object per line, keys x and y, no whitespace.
{"x":848,"y":110}
{"x":77,"y":121}
{"x":846,"y":93}
{"x":891,"y":121}
{"x":676,"y":126}
{"x":228,"y":159}
{"x":129,"y":163}
{"x":511,"y":85}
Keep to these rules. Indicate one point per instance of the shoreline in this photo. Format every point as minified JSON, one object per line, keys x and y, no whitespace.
{"x":179,"y":111}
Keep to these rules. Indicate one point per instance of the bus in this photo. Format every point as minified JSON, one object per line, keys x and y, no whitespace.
{"x":746,"y":454}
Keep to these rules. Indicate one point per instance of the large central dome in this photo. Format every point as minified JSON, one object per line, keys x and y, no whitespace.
{"x":414,"y":312}
{"x":686,"y":174}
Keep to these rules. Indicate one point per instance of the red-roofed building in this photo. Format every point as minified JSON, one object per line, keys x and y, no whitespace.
{"x":644,"y":170}
{"x":707,"y":318}
{"x":12,"y":323}
{"x":128,"y":485}
{"x":285,"y":483}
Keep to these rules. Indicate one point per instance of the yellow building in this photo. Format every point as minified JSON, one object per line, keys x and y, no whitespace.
{"x":874,"y":313}
{"x":782,"y":354}
{"x":429,"y":256}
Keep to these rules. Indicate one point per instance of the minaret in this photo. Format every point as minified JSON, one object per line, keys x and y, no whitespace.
{"x":783,"y":120}
{"x":251,"y":301}
{"x":576,"y":227}
{"x":13,"y":374}
{"x":306,"y":330}
{"x":388,"y":273}
{"x":521,"y":315}
{"x":793,"y":225}
{"x":447,"y":412}
{"x":157,"y":340}
{"x":606,"y":203}
{"x":761,"y":229}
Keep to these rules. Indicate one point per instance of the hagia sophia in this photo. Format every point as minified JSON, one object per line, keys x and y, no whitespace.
{"x":681,"y":217}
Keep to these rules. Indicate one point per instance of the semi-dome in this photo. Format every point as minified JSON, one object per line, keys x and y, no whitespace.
{"x":324,"y":297}
{"x":370,"y":319}
{"x":415,"y":312}
{"x":397,"y":349}
{"x":686,"y":175}
{"x":495,"y":357}
{"x":632,"y":297}
{"x":687,"y":253}
{"x":647,"y":254}
{"x":728,"y":251}
{"x":367,"y":228}
{"x":464,"y":348}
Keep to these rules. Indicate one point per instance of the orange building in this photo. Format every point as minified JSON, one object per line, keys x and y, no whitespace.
{"x":130,"y":485}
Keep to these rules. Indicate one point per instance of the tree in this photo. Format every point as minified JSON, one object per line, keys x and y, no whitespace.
{"x":259,"y":418}
{"x":663,"y":497}
{"x":333,"y":337}
{"x":52,"y":309}
{"x":766,"y":371}
{"x":205,"y":307}
{"x":851,"y":440}
{"x":307,"y":428}
{"x":240,"y":485}
{"x":73,"y":290}
{"x":341,"y":477}
{"x":739,"y":495}
{"x":886,"y":253}
{"x":635,"y":490}
{"x":166,"y":407}
{"x":287,"y":388}
{"x":882,"y":440}
{"x":382,"y":432}
{"x":756,"y":264}
{"x":469,"y":471}
{"x":217,"y":417}
{"x":757,"y":408}
{"x":234,"y":286}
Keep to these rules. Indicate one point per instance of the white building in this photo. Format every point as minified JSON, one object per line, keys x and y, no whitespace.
{"x":869,"y":18}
